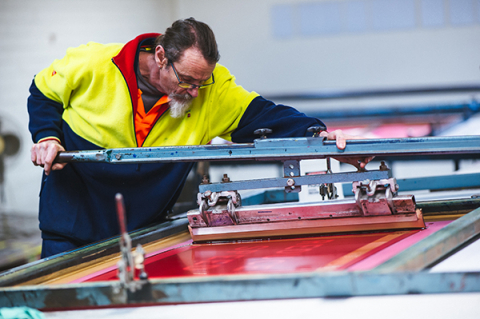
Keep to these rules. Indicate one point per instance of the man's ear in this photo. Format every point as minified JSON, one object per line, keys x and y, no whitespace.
{"x":160,"y":56}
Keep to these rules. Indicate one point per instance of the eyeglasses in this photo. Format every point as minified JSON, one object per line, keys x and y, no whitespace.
{"x":185,"y":85}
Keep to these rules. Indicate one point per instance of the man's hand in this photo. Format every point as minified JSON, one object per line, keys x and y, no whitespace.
{"x":341,"y":138}
{"x":43,"y":154}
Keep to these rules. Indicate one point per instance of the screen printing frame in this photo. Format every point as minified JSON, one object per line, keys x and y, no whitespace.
{"x":405,"y":273}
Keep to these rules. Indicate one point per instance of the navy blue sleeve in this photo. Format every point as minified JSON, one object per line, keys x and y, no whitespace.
{"x":284,"y":121}
{"x":45,"y":115}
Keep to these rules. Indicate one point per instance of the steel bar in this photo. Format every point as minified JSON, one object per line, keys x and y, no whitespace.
{"x":280,"y":149}
{"x":298,"y":180}
{"x":238,"y":288}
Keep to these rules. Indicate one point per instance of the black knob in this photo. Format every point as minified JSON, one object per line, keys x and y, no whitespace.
{"x":263,"y":132}
{"x":316,"y":129}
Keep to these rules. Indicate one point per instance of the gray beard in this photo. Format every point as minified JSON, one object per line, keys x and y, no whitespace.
{"x":179,"y":104}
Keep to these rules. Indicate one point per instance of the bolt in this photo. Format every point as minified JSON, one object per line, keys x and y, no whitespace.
{"x":205,"y":180}
{"x":290,"y":182}
{"x":118,"y":156}
{"x":383,"y":166}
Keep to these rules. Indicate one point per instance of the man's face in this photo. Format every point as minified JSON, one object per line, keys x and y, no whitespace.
{"x":191,"y":68}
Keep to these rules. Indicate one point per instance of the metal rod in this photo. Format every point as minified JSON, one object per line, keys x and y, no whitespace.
{"x":280,"y":149}
{"x":299,"y":180}
{"x":121,"y":213}
{"x":237,"y":288}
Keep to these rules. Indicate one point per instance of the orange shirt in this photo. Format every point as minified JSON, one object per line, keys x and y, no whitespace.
{"x":145,"y":122}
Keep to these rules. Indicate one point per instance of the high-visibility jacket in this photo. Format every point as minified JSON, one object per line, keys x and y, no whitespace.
{"x":87,"y":100}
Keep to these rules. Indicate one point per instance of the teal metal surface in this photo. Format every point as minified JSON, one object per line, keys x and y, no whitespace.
{"x":270,"y":197}
{"x":237,"y":288}
{"x":281,"y":149}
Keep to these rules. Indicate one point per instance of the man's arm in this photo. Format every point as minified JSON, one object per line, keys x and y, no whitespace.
{"x":285,"y":121}
{"x":46,"y":128}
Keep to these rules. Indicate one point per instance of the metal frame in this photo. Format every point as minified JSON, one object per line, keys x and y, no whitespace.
{"x":383,"y":280}
{"x":229,"y":288}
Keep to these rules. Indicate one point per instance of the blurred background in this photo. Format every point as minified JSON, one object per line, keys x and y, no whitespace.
{"x":379,"y":68}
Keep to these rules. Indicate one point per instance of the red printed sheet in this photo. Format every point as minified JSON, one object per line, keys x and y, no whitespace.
{"x":277,"y":256}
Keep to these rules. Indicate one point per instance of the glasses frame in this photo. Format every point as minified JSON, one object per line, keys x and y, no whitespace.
{"x":190,"y":85}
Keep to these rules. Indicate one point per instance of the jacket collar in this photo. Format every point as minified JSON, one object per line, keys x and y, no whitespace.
{"x":126,"y":59}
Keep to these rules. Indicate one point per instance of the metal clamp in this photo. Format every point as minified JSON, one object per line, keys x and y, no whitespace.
{"x":211,"y":199}
{"x":375,"y":197}
{"x":129,"y":260}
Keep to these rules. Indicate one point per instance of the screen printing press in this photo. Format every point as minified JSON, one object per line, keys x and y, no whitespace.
{"x":376,"y":242}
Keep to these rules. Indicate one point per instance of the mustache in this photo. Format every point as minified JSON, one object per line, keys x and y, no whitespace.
{"x":181,"y":97}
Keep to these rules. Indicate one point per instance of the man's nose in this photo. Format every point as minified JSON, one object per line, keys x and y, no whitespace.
{"x":193,"y":92}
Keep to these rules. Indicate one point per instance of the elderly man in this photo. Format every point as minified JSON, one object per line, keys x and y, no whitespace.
{"x":156,"y":90}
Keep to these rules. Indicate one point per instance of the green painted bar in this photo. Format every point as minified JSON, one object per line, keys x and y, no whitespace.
{"x":430,"y":249}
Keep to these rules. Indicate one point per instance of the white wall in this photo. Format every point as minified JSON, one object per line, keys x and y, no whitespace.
{"x":33,"y":33}
{"x":373,"y":58}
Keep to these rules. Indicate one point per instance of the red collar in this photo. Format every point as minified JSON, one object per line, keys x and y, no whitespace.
{"x":125,"y":61}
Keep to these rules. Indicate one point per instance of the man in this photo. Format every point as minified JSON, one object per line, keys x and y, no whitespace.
{"x":156,"y":90}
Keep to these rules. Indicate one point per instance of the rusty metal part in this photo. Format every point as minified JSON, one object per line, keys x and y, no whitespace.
{"x":209,"y":199}
{"x":308,"y":227}
{"x":300,"y":218}
{"x":375,"y":197}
